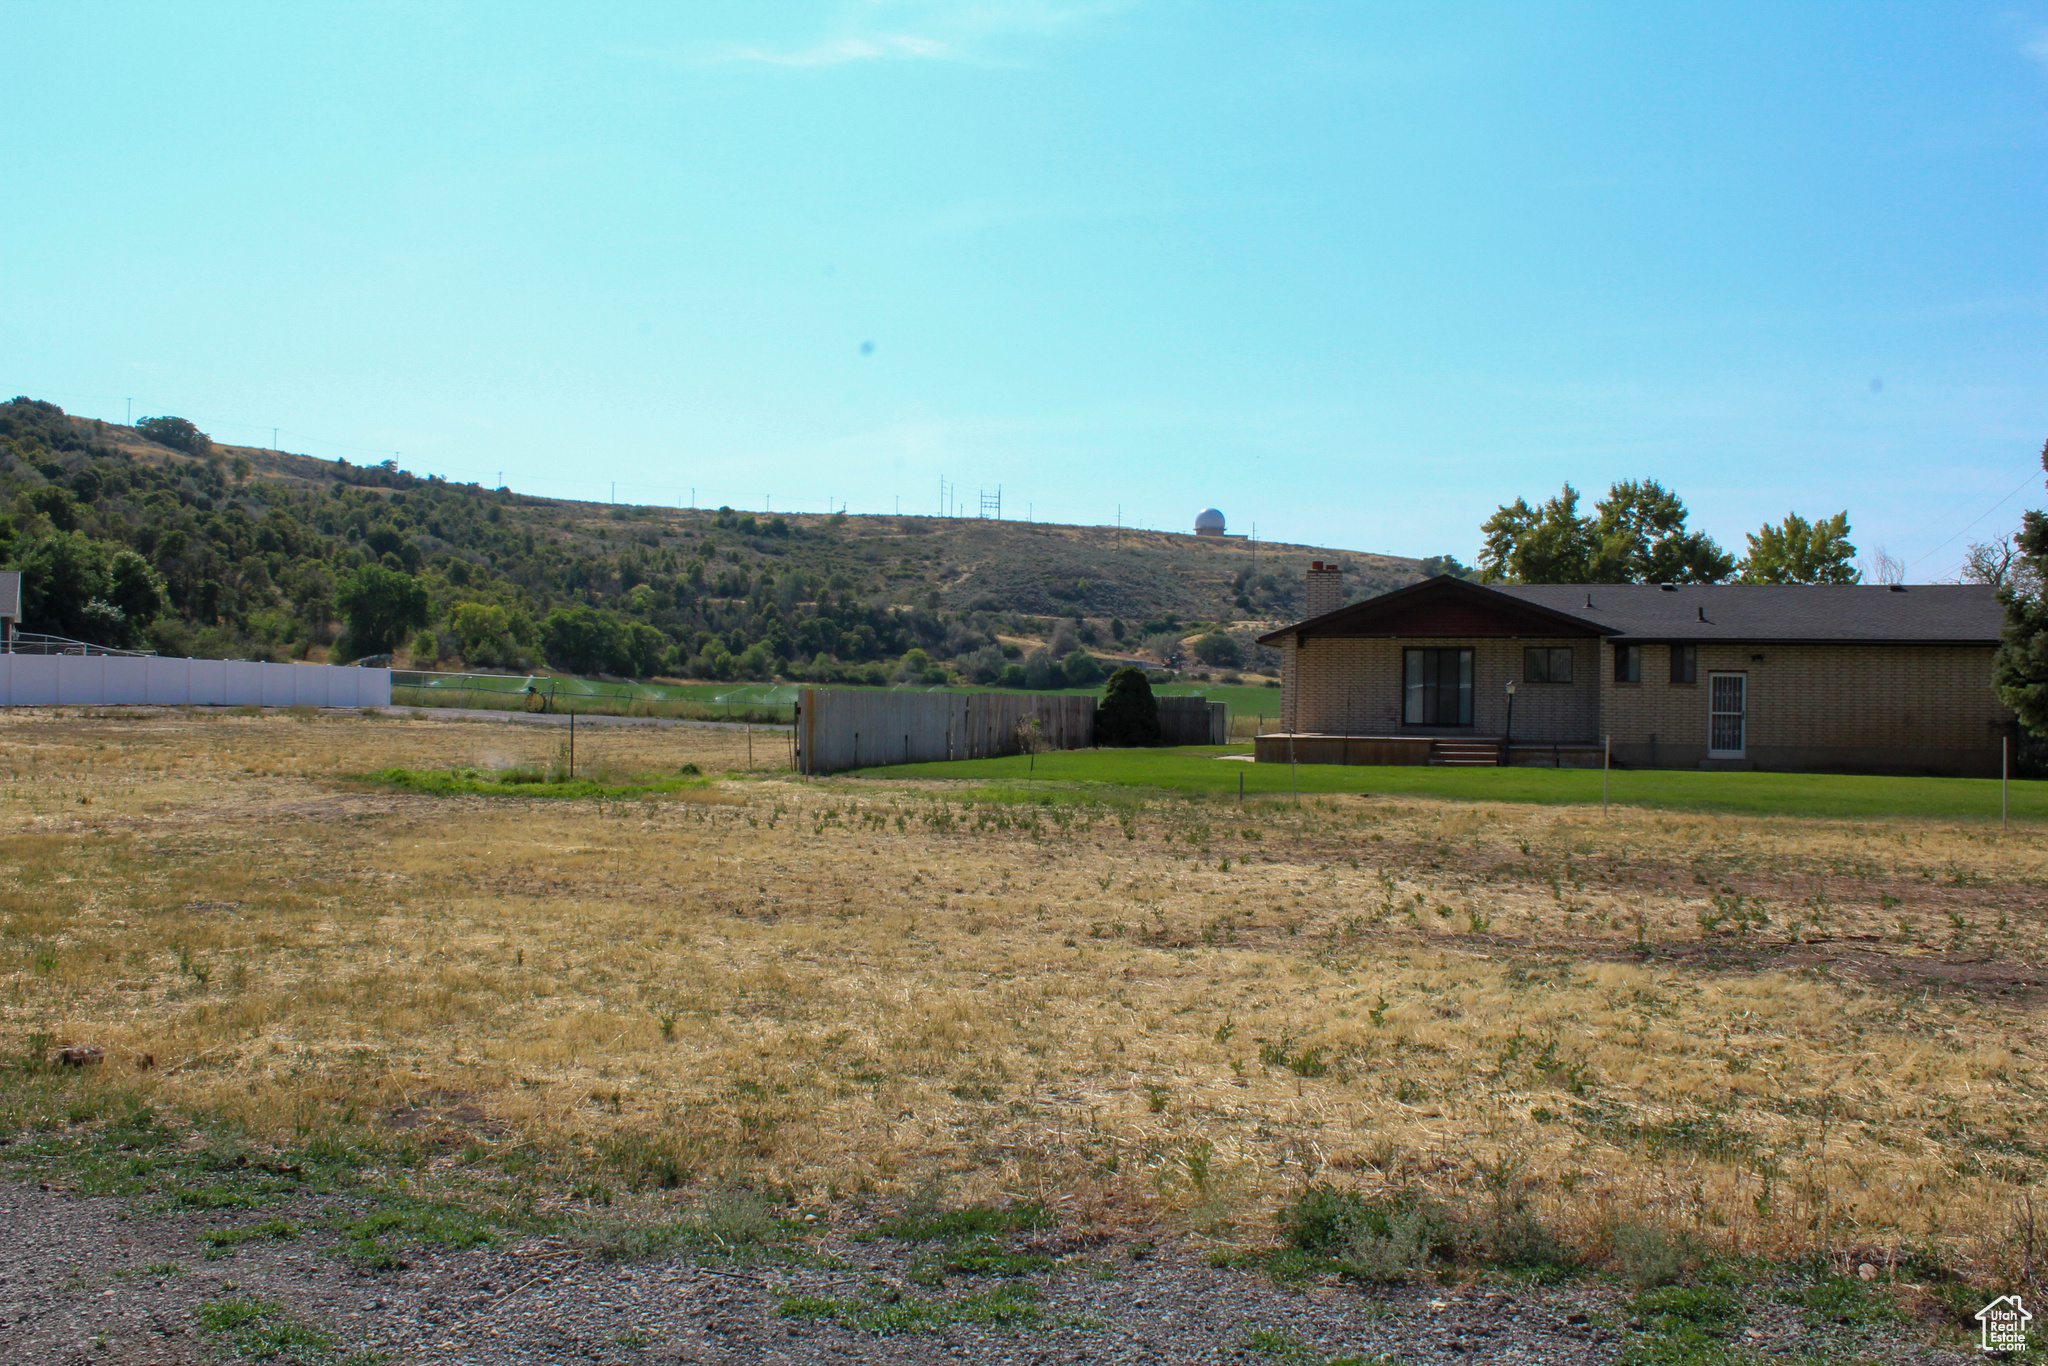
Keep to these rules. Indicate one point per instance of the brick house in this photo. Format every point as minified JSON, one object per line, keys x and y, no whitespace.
{"x":1856,"y":678}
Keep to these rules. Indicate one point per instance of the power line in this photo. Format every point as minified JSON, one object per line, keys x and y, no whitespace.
{"x":1974,"y":520}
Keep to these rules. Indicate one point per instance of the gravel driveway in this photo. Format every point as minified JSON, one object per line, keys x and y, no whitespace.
{"x":93,"y":1280}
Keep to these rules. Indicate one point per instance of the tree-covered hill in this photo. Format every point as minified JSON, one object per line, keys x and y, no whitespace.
{"x":154,"y":536}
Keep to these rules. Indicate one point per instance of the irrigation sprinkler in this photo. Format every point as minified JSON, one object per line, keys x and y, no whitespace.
{"x":2004,"y":781}
{"x":1606,"y":761}
{"x":572,"y":744}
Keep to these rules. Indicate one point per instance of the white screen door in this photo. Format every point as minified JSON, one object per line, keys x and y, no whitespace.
{"x":1725,"y":705}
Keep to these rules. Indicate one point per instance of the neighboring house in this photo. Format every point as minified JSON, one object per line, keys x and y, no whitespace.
{"x":1868,"y":678}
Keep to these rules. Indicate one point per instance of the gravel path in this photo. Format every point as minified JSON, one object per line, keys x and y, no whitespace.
{"x":93,"y":1281}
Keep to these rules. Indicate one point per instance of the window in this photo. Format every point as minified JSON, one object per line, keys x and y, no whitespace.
{"x":1542,"y":664}
{"x":1685,"y":664}
{"x":1628,"y":663}
{"x":1436,"y":687}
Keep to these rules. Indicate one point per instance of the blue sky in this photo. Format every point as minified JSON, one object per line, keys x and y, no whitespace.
{"x":1354,"y":272}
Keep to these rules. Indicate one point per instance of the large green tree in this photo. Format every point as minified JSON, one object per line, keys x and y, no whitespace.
{"x":1128,"y":716}
{"x":1636,"y":534}
{"x":2020,"y":670}
{"x":585,"y":640}
{"x":177,"y":433}
{"x":1798,"y":551}
{"x":381,"y":606}
{"x":1640,"y":537}
{"x":83,"y":589}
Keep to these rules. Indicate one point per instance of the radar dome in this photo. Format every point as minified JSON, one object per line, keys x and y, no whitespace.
{"x":1209,"y":520}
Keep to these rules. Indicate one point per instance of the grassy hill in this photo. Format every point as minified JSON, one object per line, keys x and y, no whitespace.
{"x":251,"y":551}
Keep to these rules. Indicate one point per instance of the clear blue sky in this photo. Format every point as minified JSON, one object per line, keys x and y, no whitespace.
{"x":1356,"y":272}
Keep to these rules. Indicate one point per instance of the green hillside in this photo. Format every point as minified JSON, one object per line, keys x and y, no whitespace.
{"x":155,"y":537}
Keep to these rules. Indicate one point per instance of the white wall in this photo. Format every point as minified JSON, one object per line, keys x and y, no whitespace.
{"x":98,"y":680}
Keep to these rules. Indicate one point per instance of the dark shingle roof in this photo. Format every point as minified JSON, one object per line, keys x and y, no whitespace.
{"x":1935,"y":613}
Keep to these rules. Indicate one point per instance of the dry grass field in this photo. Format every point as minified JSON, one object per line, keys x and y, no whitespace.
{"x":1765,"y":1036}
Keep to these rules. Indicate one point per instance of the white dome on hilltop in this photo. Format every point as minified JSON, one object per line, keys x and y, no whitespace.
{"x":1208,"y":519}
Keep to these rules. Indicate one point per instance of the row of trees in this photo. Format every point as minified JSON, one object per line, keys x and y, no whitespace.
{"x":1638,"y":534}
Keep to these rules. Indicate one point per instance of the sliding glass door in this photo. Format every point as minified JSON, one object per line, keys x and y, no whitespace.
{"x":1437,"y":687}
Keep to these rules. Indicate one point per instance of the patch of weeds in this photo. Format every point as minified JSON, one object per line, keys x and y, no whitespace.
{"x":1685,"y":1326}
{"x":133,"y":1153}
{"x":371,"y":1256}
{"x":1284,"y":1266}
{"x":263,"y":1330}
{"x":424,"y":1222}
{"x":969,"y":1222}
{"x":1649,"y":1256}
{"x":736,"y":1225}
{"x":620,"y":1238}
{"x":470,"y":782}
{"x":1309,"y":1062}
{"x":987,"y":1257}
{"x":1278,"y":1344}
{"x":1387,"y":1240}
{"x":647,"y":1160}
{"x":1844,"y":1300}
{"x":222,"y":1241}
{"x":635,"y":1339}
{"x":1006,"y":1306}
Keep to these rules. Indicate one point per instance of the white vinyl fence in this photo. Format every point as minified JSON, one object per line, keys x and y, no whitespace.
{"x":97,"y":680}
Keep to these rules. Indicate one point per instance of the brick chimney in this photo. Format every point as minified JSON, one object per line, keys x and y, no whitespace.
{"x":1325,"y":590}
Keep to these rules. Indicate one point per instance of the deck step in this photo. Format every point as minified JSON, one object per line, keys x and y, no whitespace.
{"x":1464,"y":754}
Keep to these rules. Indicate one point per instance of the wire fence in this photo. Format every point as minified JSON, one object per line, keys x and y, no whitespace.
{"x":757,"y":704}
{"x":761,"y":704}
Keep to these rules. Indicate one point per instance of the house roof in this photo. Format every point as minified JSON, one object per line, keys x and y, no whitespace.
{"x":1921,"y":613}
{"x":1869,"y":614}
{"x":1442,"y":606}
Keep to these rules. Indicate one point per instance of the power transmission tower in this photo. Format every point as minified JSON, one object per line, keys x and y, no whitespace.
{"x":992,"y":505}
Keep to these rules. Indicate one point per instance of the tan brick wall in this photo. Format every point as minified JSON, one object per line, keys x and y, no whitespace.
{"x":1895,"y":707}
{"x":1877,"y":707}
{"x":1323,"y":591}
{"x":1353,"y":687}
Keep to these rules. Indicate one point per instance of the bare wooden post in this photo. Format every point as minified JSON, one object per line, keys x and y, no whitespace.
{"x":1240,"y":787}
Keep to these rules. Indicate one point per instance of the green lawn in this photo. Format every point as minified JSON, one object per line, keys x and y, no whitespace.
{"x":1196,"y":769}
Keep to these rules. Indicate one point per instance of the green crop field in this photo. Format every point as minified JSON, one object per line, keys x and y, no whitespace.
{"x":1199,"y":769}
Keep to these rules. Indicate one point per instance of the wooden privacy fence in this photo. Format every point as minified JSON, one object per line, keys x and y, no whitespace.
{"x":838,"y":729}
{"x":1193,"y":721}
